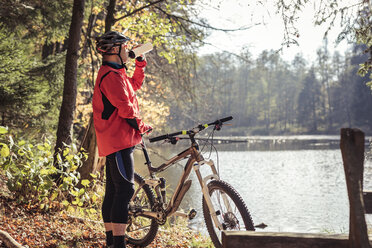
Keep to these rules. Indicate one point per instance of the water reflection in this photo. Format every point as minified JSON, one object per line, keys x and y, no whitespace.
{"x":286,"y":185}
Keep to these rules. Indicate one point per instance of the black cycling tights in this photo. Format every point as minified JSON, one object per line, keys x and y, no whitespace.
{"x":119,"y":186}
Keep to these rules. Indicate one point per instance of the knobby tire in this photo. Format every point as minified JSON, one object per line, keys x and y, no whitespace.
{"x":223,"y":187}
{"x":150,"y":236}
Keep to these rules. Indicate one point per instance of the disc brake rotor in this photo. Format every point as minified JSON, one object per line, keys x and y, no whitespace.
{"x":231,"y":221}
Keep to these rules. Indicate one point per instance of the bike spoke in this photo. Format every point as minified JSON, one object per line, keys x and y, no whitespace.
{"x":140,"y":228}
{"x":228,"y":212}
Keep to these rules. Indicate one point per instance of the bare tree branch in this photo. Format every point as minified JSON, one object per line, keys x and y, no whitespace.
{"x":228,"y":52}
{"x":8,"y":240}
{"x":139,"y":9}
{"x":204,"y":25}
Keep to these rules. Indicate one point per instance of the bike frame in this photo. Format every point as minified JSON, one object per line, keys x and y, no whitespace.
{"x":195,"y":161}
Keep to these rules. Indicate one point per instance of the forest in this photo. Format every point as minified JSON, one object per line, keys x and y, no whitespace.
{"x":268,"y":95}
{"x":49,"y":63}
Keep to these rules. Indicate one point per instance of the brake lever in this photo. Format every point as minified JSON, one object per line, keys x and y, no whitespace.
{"x":218,"y":126}
{"x":174,"y":140}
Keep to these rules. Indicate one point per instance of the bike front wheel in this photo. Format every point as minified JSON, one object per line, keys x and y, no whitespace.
{"x":141,"y":230}
{"x":231,"y":211}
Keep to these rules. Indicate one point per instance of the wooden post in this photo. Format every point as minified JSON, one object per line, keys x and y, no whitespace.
{"x":367,"y":199}
{"x":352,"y":149}
{"x":250,"y":239}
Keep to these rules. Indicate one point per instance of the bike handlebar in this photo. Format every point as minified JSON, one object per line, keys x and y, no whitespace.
{"x":192,"y":131}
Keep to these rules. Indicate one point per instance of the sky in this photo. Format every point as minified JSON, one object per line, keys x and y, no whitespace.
{"x":233,"y":14}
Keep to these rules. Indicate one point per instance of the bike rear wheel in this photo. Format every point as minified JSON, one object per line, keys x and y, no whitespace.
{"x":141,"y":230}
{"x":230,"y":209}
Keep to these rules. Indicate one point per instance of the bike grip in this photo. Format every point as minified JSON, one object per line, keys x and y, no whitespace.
{"x":226,"y":119}
{"x":221,"y":120}
{"x":165,"y":136}
{"x":161,"y":137}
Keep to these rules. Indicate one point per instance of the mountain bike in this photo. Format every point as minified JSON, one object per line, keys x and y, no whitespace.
{"x":223,"y":208}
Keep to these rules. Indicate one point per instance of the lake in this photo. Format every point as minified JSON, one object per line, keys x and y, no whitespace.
{"x":290,"y":183}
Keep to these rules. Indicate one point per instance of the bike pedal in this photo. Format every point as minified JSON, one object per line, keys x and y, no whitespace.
{"x":192,"y":214}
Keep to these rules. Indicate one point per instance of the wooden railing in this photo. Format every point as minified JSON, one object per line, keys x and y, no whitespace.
{"x":352,"y":149}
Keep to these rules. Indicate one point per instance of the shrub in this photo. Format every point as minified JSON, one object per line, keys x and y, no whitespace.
{"x":32,"y":176}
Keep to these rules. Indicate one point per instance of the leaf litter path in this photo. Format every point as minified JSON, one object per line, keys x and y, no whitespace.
{"x":33,"y":228}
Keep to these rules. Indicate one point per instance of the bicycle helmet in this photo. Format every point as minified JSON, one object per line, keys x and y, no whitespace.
{"x":109,"y":40}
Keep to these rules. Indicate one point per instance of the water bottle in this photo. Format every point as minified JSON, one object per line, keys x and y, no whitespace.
{"x":138,"y":51}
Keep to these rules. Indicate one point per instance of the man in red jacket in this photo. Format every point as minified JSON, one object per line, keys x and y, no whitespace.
{"x":118,"y":129}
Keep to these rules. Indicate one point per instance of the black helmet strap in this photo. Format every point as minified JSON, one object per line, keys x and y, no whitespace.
{"x":121,"y":60}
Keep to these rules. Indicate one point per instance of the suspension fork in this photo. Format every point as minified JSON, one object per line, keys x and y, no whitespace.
{"x":205,"y":190}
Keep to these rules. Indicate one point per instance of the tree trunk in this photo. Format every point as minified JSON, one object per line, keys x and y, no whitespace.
{"x":88,"y":39}
{"x":47,"y":50}
{"x":52,"y":49}
{"x":315,"y":126}
{"x":94,"y":162}
{"x":3,"y":118}
{"x":110,"y":20}
{"x":66,"y":115}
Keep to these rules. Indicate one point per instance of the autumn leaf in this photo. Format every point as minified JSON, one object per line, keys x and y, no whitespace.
{"x":85,"y":182}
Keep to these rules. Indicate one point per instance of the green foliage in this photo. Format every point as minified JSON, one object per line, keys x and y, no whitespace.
{"x":167,"y":25}
{"x":363,"y":35}
{"x":30,"y":90}
{"x":47,"y":78}
{"x":14,"y":63}
{"x":32,"y":176}
{"x":41,"y":21}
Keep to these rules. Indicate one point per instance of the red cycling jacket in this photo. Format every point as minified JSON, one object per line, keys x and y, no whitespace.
{"x":114,"y":100}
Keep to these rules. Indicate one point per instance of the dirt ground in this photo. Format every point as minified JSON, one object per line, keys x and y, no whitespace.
{"x":33,"y":228}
